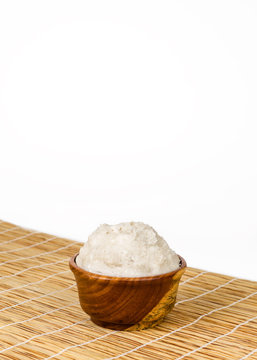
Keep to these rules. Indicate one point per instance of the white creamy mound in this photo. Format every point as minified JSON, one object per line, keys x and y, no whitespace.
{"x":127,"y":250}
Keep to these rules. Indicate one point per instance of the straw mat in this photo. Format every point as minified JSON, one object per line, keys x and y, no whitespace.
{"x":40,"y":318}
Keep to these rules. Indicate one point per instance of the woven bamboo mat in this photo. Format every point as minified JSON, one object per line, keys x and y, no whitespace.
{"x":215,"y":316}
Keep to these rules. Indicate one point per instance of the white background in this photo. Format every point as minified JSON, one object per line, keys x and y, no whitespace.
{"x":133,"y":110}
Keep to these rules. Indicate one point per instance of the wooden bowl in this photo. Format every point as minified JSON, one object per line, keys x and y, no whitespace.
{"x":127,"y":303}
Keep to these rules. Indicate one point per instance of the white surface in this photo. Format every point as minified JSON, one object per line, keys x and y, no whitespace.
{"x":114,"y":111}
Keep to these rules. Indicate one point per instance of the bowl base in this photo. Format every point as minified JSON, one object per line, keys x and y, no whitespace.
{"x":109,"y":325}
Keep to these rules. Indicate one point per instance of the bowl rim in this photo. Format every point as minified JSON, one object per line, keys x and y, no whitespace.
{"x":73,"y":265}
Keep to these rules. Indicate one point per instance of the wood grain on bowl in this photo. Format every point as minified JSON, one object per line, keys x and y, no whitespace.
{"x":124,"y":303}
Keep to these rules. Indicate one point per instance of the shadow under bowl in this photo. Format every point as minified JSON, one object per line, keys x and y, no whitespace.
{"x":127,"y":303}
